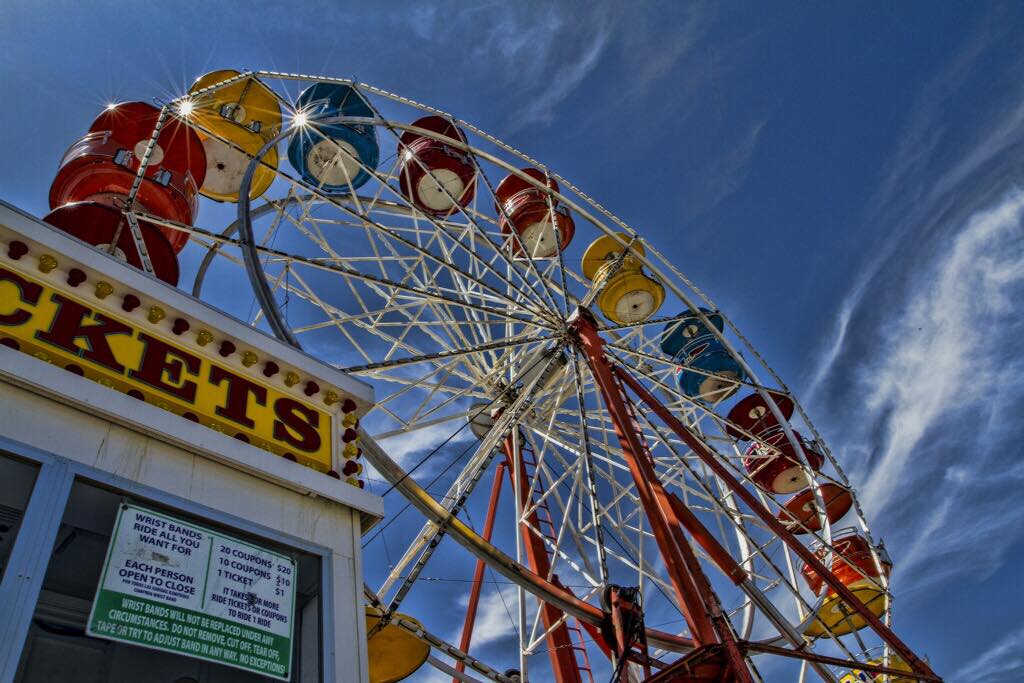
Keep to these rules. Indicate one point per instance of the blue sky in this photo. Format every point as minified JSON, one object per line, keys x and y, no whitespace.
{"x":845,"y":180}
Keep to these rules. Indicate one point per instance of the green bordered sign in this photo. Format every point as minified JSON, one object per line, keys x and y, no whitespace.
{"x":171,"y":585}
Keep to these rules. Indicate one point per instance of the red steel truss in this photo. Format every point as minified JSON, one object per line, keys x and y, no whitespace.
{"x":717,"y":648}
{"x":719,"y":656}
{"x":478,"y":572}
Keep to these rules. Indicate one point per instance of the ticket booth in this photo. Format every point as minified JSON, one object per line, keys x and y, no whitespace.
{"x":173,"y":503}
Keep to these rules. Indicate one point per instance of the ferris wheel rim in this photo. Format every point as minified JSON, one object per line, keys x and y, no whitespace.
{"x":249,"y":249}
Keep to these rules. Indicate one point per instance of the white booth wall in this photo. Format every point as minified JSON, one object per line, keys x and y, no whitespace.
{"x":75,"y":433}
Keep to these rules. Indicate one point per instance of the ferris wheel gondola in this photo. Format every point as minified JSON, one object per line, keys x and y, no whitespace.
{"x":627,"y":294}
{"x":102,"y":166}
{"x":235,"y":120}
{"x":542,"y":227}
{"x":436,"y":177}
{"x":329,"y":152}
{"x":102,"y":226}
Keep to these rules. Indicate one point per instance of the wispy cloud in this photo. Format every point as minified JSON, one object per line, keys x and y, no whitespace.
{"x":939,"y":357}
{"x":725,"y":175}
{"x":494,"y":619}
{"x":1001,"y":663}
{"x":402,"y":447}
{"x":922,"y":187}
{"x":928,"y":395}
{"x":834,"y":343}
{"x":659,"y":43}
{"x":565,"y":80}
{"x":542,"y":53}
{"x":922,"y":370}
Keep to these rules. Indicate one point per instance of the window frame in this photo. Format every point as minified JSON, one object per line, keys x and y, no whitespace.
{"x":30,"y":555}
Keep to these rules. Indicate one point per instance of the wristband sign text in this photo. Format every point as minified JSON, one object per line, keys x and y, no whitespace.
{"x":170,"y":585}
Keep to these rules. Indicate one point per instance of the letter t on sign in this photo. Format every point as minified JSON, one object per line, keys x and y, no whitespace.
{"x":236,"y":406}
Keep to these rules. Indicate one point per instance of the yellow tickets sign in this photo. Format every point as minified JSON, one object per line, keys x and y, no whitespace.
{"x":144,"y":358}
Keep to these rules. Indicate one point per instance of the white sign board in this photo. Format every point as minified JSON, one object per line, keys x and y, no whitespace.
{"x":172,"y":585}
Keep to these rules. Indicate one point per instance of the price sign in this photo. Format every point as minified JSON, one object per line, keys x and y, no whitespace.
{"x":171,"y":585}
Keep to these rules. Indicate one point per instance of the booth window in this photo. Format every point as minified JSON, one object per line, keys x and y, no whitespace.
{"x":58,"y":650}
{"x":16,"y":481}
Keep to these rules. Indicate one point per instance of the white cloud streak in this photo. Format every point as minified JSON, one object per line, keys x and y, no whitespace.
{"x":565,"y":80}
{"x":828,"y":357}
{"x":726,"y":174}
{"x":922,"y":370}
{"x":938,"y":358}
{"x":941,"y":374}
{"x":915,"y":188}
{"x":1001,"y":663}
{"x":493,"y":619}
{"x":541,"y":53}
{"x":402,"y":447}
{"x":930,"y":404}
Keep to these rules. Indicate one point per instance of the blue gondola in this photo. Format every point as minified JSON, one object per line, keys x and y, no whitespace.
{"x":694,"y":346}
{"x":314,"y":147}
{"x":679,"y":333}
{"x":712,"y":358}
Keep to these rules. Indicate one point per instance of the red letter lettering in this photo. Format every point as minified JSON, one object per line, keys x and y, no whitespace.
{"x":293,"y":419}
{"x":28,"y":293}
{"x":158,"y":358}
{"x":236,"y":408}
{"x":67,"y":326}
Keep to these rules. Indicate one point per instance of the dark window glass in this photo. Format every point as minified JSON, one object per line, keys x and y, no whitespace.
{"x":58,"y":650}
{"x":16,"y":481}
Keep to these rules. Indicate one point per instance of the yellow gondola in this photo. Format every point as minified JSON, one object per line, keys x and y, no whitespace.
{"x":835,"y":616}
{"x":630,"y":295}
{"x":244,"y":113}
{"x":895,"y":662}
{"x":394,"y":653}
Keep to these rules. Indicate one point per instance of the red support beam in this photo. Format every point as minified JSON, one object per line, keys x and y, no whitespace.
{"x":623,"y":637}
{"x":560,"y":647}
{"x":703,"y":665}
{"x":710,"y":459}
{"x":708,"y":542}
{"x":478,"y":573}
{"x":689,"y":598}
{"x":731,"y":650}
{"x":697,"y":599}
{"x":866,"y":667}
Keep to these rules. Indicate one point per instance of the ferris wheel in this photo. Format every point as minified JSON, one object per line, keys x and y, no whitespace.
{"x":678,"y":516}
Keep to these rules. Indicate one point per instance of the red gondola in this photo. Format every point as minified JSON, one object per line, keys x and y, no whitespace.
{"x":97,"y":223}
{"x":851,"y":562}
{"x":752,"y":415}
{"x":774,"y":465}
{"x":526,"y":209}
{"x":799,"y":513}
{"x":101,"y":167}
{"x":433,"y":173}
